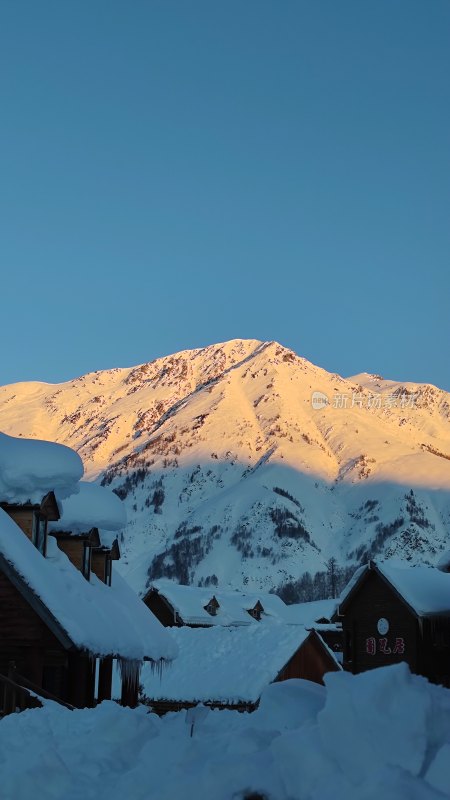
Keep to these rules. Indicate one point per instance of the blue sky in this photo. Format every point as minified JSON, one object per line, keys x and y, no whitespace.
{"x":179,"y":173}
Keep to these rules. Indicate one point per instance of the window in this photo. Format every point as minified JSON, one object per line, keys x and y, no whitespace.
{"x":39,"y":532}
{"x":212,"y":606}
{"x":256,"y":611}
{"x":86,"y":569}
{"x":108,"y":570}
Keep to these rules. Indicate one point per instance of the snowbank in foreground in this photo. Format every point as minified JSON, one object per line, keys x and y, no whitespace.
{"x":381,"y":734}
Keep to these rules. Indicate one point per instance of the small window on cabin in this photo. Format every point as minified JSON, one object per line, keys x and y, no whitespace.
{"x":39,"y":532}
{"x":256,"y":611}
{"x":108,"y":570}
{"x":212,"y":607}
{"x":86,"y":569}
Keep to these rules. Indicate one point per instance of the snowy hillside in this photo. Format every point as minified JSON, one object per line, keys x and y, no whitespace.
{"x":245,"y":464}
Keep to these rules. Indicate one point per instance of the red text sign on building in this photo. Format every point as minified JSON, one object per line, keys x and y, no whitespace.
{"x":381,"y":645}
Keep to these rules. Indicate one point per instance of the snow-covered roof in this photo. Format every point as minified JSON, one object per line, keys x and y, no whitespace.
{"x":105,"y":620}
{"x":226,"y":664}
{"x":354,"y":580}
{"x":309,"y":613}
{"x":190,"y":601}
{"x":107,"y":539}
{"x":93,"y":506}
{"x":30,"y":468}
{"x":425,"y":589}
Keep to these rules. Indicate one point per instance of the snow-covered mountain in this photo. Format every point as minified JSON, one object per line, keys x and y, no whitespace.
{"x":244,"y":463}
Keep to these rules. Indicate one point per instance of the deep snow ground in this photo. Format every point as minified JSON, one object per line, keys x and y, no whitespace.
{"x":383,"y":734}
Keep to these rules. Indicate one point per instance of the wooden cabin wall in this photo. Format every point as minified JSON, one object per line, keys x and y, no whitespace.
{"x":26,"y":640}
{"x":311,"y":662}
{"x":160,"y":609}
{"x":73,"y":548}
{"x":333,"y":638}
{"x":435,"y":652}
{"x":24,"y":519}
{"x":375,"y":600}
{"x":98,"y":564}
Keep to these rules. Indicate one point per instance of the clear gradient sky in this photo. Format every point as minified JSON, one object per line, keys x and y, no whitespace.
{"x":180,"y":172}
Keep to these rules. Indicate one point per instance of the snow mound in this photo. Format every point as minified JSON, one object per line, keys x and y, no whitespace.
{"x":92,"y":507}
{"x":384,"y":734}
{"x":30,"y":468}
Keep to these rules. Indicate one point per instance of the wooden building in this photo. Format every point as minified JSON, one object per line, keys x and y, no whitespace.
{"x":199,"y":607}
{"x":321,"y":616}
{"x":228,"y":667}
{"x":88,"y":528}
{"x":33,"y":518}
{"x":61,"y":626}
{"x":391,"y":614}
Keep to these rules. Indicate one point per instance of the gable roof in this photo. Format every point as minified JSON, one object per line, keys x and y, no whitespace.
{"x":226,"y":664}
{"x":85,"y":615}
{"x":426,"y":590}
{"x":189,"y":603}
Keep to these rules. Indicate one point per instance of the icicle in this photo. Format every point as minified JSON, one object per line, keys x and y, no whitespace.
{"x":157,"y":667}
{"x":130,"y":670}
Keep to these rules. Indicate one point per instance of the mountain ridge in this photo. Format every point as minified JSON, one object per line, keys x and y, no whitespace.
{"x":233,"y":470}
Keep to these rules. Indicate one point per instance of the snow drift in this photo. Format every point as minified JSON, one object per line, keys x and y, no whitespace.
{"x":384,"y":733}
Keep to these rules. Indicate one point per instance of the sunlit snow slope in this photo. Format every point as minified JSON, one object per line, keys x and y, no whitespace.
{"x":228,"y":470}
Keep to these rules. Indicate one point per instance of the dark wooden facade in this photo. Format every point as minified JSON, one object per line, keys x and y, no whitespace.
{"x":38,"y":653}
{"x":32,"y":642}
{"x":33,"y":518}
{"x":311,"y":661}
{"x":162,"y":609}
{"x":78,"y":548}
{"x":332,"y":635}
{"x":380,"y":628}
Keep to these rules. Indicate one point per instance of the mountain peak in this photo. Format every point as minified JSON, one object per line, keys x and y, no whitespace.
{"x":232,"y":471}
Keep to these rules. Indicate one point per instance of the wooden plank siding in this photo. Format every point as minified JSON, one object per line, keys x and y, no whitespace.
{"x":98,"y":561}
{"x":311,"y":662}
{"x":425,"y":641}
{"x":23,"y":517}
{"x":374,"y":600}
{"x":26,"y":640}
{"x":162,"y":609}
{"x":74,"y":549}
